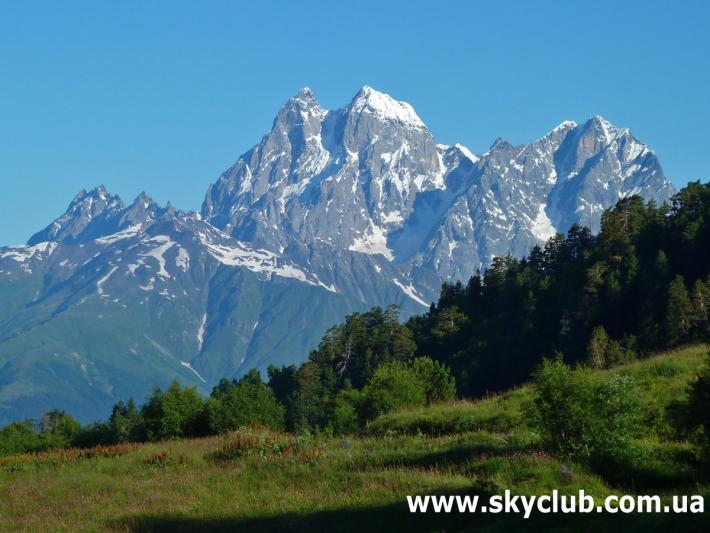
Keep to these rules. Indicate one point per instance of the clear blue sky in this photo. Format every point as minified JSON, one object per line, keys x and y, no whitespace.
{"x":163,"y":96}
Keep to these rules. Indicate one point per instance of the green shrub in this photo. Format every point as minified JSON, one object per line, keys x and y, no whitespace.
{"x":439,"y":384}
{"x":19,"y":437}
{"x":581,"y":416}
{"x":393,"y":385}
{"x":346,"y":415}
{"x":616,"y":414}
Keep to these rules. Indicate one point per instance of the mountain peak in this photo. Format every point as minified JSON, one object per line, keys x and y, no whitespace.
{"x":305,"y":92}
{"x":558,"y":134}
{"x":384,"y":107}
{"x":95,"y":199}
{"x":304,"y":101}
{"x":331,"y":211}
{"x":598,"y":119}
{"x":85,"y":208}
{"x":603,"y":127}
{"x":305,"y":97}
{"x":565,"y":125}
{"x":97,"y":193}
{"x":142,"y":210}
{"x":143,"y":199}
{"x":466,"y":152}
{"x":501,"y":144}
{"x":300,"y":107}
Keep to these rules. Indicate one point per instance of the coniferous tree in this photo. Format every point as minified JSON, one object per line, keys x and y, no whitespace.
{"x":283,"y":382}
{"x":125,"y":424}
{"x":310,"y":403}
{"x":679,"y":312}
{"x":701,"y":314}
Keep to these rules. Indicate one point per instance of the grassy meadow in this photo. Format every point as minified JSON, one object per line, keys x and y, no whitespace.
{"x":258,"y":480}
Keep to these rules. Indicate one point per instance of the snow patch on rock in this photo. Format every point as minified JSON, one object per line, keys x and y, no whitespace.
{"x":372,"y":243}
{"x":542,"y":226}
{"x":410,"y":291}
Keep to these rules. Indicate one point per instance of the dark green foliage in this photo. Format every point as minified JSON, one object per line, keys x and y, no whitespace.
{"x":698,"y":412}
{"x":394,"y":385}
{"x":603,"y":352}
{"x":243,"y":403}
{"x":581,"y":416}
{"x":95,"y":434}
{"x":172,"y":414}
{"x":701,"y":310}
{"x":56,"y":429}
{"x":126,"y":424}
{"x":636,"y":287}
{"x":313,"y":397}
{"x":353,"y":351}
{"x":346,"y":358}
{"x":679,"y":312}
{"x":283,"y":382}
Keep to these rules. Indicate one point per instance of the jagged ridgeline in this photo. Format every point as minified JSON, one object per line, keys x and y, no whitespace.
{"x":638,"y":287}
{"x":334,"y":211}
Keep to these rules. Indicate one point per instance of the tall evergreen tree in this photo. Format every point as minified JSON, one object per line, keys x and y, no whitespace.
{"x":125,"y":423}
{"x":701,"y":313}
{"x":679,"y":312}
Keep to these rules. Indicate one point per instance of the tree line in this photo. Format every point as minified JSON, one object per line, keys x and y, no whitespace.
{"x":642,"y":284}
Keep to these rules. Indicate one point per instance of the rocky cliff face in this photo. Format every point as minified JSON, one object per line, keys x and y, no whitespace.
{"x":369,"y":178}
{"x":333,"y":211}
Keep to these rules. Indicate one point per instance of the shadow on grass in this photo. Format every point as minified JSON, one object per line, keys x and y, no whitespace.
{"x":678,"y":474}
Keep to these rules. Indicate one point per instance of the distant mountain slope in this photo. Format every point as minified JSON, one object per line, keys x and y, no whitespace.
{"x":333,"y":211}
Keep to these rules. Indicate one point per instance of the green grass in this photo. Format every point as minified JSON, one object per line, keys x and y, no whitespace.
{"x":661,"y":380}
{"x":500,"y":413}
{"x":257,"y":480}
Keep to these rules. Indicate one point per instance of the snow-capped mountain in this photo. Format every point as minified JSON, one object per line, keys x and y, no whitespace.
{"x":344,"y":178}
{"x":513,"y":197}
{"x":369,"y":178}
{"x":333,"y":211}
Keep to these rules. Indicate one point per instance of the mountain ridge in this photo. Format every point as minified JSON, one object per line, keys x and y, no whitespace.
{"x":333,"y":211}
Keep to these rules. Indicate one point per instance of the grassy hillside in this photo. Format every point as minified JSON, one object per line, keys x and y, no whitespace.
{"x":661,"y":380}
{"x":255,"y":479}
